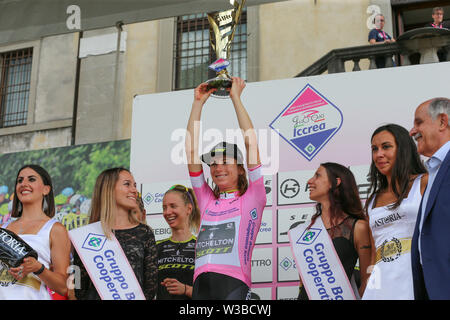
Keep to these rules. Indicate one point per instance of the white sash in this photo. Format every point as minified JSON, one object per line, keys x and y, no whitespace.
{"x":106,"y":263}
{"x":320,"y":268}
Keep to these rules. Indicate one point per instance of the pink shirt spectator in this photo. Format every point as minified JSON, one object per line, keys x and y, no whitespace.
{"x":229,"y":226}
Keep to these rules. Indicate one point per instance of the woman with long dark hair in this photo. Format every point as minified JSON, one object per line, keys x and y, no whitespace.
{"x":34,"y":208}
{"x":398,"y":180}
{"x":339,"y":207}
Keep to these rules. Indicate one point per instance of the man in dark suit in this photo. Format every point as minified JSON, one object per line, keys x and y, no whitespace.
{"x":430,"y":249}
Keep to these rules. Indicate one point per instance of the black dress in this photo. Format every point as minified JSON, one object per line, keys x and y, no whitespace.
{"x":342,"y":237}
{"x":138,"y":244}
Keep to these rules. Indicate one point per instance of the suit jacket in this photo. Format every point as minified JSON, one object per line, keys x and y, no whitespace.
{"x":432,"y":278}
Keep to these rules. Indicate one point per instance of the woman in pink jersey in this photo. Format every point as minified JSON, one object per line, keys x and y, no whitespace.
{"x":231,"y":213}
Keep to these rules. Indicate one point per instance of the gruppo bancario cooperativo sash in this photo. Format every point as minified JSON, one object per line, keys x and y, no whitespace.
{"x":320,"y":268}
{"x":106,"y":264}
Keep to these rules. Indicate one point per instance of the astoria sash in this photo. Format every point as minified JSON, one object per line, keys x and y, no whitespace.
{"x":320,"y":268}
{"x":106,"y":263}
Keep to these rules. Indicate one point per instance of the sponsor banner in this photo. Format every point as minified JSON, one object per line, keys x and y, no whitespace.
{"x":293,"y":187}
{"x":153,"y":194}
{"x":261,"y":294}
{"x":321,"y":271}
{"x":262,"y":265}
{"x":159,"y":226}
{"x":361,"y":174}
{"x":266,"y":229}
{"x":290,"y":218}
{"x":268,"y":186}
{"x":287,"y":268}
{"x":287,"y":293}
{"x":106,"y":264}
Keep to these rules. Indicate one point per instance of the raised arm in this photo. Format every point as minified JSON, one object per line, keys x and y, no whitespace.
{"x":245,"y":123}
{"x":193,"y":127}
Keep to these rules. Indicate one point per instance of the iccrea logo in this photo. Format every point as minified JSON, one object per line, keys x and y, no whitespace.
{"x":254,"y":214}
{"x":153,"y":197}
{"x":94,"y":242}
{"x":309,"y":236}
{"x":148,"y":198}
{"x":308,"y":122}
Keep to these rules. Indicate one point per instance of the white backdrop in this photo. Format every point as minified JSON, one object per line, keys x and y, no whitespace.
{"x":354,"y":104}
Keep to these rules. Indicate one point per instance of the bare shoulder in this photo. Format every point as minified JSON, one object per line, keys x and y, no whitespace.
{"x":362,"y":227}
{"x":58,"y":230}
{"x":59,"y":238}
{"x":362,"y":236}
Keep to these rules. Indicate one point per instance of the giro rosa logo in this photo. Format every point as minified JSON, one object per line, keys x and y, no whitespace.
{"x":94,"y":242}
{"x":308,"y":122}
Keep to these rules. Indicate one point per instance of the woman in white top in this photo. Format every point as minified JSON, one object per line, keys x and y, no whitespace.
{"x":398,"y":180}
{"x":34,"y":207}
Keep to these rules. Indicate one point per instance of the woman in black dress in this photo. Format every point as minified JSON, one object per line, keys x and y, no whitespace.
{"x":113,"y":202}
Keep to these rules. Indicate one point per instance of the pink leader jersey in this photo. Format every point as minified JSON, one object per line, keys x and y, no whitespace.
{"x":229,"y":226}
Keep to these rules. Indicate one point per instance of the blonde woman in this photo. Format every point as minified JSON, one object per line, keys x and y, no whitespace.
{"x":176,"y":255}
{"x":113,"y":202}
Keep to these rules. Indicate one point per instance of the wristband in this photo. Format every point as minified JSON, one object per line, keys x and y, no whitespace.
{"x":41,"y":269}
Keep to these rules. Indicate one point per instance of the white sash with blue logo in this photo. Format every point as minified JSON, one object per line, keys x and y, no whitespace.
{"x":320,"y":268}
{"x":106,"y":264}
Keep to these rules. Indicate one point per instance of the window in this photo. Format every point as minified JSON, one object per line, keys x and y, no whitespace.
{"x":15,"y":78}
{"x":193,"y":53}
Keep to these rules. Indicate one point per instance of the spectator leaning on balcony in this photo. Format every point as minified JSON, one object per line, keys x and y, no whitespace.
{"x":378,"y":36}
{"x":438,"y":18}
{"x":439,"y":23}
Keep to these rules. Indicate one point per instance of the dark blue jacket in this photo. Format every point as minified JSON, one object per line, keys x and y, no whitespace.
{"x":432,"y":278}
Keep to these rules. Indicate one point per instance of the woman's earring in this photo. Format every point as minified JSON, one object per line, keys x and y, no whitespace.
{"x":45,"y":205}
{"x":19,"y":207}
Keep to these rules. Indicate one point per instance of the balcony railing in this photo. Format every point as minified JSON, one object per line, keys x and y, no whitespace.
{"x":412,"y":47}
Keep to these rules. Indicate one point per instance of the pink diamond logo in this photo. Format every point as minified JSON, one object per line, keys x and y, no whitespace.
{"x":308,"y":122}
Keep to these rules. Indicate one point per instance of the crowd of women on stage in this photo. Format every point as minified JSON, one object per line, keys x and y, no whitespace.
{"x":360,"y":234}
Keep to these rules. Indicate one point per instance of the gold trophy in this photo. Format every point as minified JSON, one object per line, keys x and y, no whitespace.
{"x":222,"y":26}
